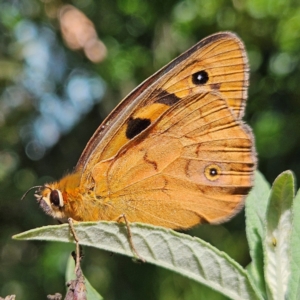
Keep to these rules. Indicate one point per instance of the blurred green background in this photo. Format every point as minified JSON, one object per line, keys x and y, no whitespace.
{"x":54,"y":95}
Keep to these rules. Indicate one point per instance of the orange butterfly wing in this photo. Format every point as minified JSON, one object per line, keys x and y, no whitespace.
{"x":221,"y":63}
{"x":164,"y":176}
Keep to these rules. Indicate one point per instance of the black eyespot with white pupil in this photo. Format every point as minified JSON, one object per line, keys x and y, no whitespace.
{"x":56,"y":198}
{"x":200,"y":77}
{"x":213,"y":172}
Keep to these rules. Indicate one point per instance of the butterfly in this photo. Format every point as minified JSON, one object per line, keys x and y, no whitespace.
{"x":174,"y":153}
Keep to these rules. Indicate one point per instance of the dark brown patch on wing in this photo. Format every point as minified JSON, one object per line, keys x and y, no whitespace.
{"x":215,"y":86}
{"x":241,"y":190}
{"x":166,"y":98}
{"x":136,"y":126}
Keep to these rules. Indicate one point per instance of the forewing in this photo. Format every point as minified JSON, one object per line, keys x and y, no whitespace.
{"x":218,"y":63}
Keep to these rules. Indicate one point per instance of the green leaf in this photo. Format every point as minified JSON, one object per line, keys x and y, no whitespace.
{"x":92,"y":294}
{"x":175,"y":251}
{"x":255,"y":210}
{"x":278,"y":230}
{"x":294,"y":282}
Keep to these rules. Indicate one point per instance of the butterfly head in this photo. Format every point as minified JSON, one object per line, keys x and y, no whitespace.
{"x":54,"y":198}
{"x":51,"y":200}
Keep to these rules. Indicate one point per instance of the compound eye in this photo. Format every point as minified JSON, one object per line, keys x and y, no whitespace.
{"x":56,"y":198}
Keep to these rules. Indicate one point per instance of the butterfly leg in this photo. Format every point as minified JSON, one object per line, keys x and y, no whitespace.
{"x":76,"y":287}
{"x":123,"y":216}
{"x":77,"y":252}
